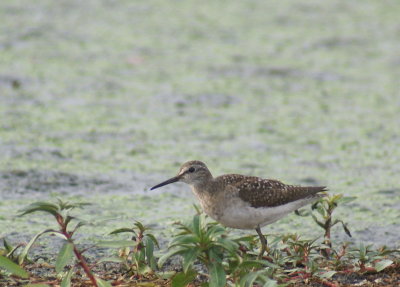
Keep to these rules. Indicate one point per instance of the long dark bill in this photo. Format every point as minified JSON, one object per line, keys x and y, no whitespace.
{"x":171,"y":180}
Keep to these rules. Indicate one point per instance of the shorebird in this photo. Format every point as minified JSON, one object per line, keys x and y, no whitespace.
{"x":243,"y":202}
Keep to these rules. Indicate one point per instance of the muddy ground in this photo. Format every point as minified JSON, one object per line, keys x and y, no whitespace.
{"x":99,"y":100}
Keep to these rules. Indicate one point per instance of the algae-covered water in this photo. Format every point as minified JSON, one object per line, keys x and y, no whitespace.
{"x":100,"y":100}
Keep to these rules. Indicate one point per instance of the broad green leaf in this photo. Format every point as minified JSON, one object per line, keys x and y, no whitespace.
{"x":64,"y":256}
{"x":13,"y":267}
{"x":122,"y":230}
{"x":169,"y":254}
{"x":227,"y":244}
{"x":215,"y":231}
{"x":149,"y":247}
{"x":248,"y":279}
{"x":182,"y":279}
{"x":103,"y":283}
{"x":152,"y":237}
{"x":380,"y":265}
{"x":116,"y":243}
{"x":217,"y":275}
{"x":66,"y":282}
{"x":24,"y":252}
{"x":40,"y":206}
{"x":189,"y":257}
{"x":37,"y":285}
{"x":197,"y":225}
{"x":184,"y":239}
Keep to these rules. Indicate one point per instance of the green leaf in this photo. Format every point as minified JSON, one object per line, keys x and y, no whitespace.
{"x":380,"y":265}
{"x":24,"y":252}
{"x":196,"y":225}
{"x":248,"y":279}
{"x":122,"y":230}
{"x":78,"y":225}
{"x":153,"y":238}
{"x":217,"y":275}
{"x":317,"y":221}
{"x":140,"y":226}
{"x":149,"y":248}
{"x":7,"y":246}
{"x":13,"y":267}
{"x":116,"y":243}
{"x":227,"y":244}
{"x":346,"y":229}
{"x":215,"y":231}
{"x":169,"y":254}
{"x":189,"y":257}
{"x":64,"y":256}
{"x":184,"y":239}
{"x":68,"y":220}
{"x":103,"y":283}
{"x":40,"y":206}
{"x":66,"y":282}
{"x":37,"y":285}
{"x":182,"y":279}
{"x":346,"y":199}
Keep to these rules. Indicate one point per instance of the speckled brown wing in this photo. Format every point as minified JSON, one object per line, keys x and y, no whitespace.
{"x":269,"y":193}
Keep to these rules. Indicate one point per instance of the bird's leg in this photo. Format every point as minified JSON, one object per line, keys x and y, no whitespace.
{"x":263,"y":241}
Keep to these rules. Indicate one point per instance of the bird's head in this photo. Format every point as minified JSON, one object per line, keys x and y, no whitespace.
{"x":192,"y":172}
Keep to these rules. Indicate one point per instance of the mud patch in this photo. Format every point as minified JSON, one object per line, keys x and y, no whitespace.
{"x":17,"y":183}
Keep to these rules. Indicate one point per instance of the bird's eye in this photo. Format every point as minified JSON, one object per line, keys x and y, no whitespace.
{"x":192,"y":169}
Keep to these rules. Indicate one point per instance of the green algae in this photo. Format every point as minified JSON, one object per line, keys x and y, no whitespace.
{"x":294,"y":91}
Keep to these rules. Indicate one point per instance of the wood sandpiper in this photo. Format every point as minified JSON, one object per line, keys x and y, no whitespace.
{"x":244,"y":202}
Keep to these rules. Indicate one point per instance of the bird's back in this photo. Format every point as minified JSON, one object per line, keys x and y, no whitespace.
{"x":259,"y":192}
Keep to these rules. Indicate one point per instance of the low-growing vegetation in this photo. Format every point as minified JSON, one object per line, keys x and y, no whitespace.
{"x":208,"y":255}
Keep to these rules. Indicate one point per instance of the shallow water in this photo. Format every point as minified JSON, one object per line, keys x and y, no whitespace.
{"x":100,"y":101}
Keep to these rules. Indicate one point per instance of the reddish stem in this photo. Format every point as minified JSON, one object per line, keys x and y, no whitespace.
{"x":78,"y":255}
{"x":85,"y":266}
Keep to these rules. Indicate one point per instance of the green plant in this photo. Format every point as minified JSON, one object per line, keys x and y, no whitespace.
{"x":228,"y":260}
{"x":12,"y":267}
{"x":205,"y":242}
{"x":365,"y":258}
{"x":324,"y":217}
{"x":9,"y":251}
{"x":60,"y":211}
{"x":137,"y":253}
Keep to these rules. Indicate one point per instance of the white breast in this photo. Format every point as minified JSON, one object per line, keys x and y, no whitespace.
{"x":241,"y":215}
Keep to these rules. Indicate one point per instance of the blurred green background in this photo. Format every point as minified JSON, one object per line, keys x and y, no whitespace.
{"x":99,"y":100}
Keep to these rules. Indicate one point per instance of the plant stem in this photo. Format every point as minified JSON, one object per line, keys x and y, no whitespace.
{"x":85,"y":266}
{"x":78,"y":255}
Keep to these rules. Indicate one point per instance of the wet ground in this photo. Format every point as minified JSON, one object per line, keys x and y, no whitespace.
{"x":101,"y":100}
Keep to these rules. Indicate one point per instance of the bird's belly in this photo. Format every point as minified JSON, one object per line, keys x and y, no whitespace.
{"x":247,"y":217}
